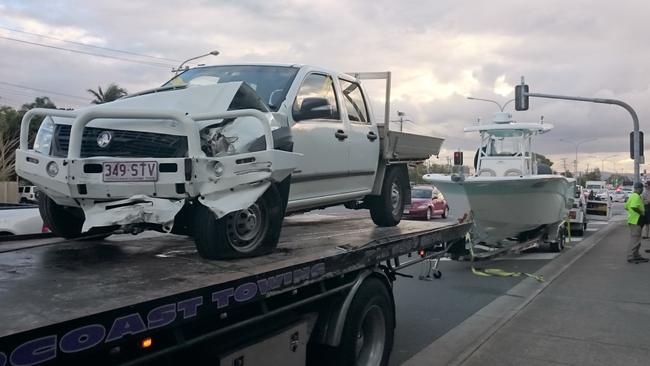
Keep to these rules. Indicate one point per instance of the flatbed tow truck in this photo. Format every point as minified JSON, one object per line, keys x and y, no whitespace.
{"x":323,"y":297}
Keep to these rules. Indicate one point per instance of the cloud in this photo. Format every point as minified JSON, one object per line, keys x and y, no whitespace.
{"x":439,"y":53}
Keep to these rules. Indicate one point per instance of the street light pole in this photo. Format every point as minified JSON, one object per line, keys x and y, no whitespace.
{"x":180,"y":68}
{"x":577,"y":144}
{"x":502,"y":107}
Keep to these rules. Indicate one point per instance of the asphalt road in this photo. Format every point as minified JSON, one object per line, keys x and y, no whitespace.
{"x":427,"y":310}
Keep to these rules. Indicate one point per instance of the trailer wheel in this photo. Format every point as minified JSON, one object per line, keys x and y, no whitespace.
{"x":367,"y":337}
{"x":246,"y":233}
{"x":67,"y":222}
{"x":387,"y":209}
{"x":557,"y":245}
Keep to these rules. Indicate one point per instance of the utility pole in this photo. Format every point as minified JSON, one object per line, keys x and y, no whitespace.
{"x":576,"y":144}
{"x":564,"y":162}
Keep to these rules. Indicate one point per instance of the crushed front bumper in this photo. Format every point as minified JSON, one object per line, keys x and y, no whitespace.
{"x":224,"y":184}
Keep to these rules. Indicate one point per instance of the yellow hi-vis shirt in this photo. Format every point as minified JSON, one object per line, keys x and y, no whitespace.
{"x":634,"y":201}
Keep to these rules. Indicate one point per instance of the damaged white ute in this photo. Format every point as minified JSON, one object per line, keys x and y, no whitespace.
{"x":220,"y":153}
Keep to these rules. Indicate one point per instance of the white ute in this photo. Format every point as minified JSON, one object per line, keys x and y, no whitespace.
{"x":221,"y":153}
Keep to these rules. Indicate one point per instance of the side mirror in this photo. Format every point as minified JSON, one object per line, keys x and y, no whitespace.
{"x":313,"y":108}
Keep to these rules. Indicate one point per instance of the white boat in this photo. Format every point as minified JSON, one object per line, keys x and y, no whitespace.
{"x":511,"y":195}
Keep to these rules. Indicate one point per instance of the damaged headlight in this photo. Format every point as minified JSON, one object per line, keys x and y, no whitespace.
{"x":216,"y":141}
{"x":43,"y":142}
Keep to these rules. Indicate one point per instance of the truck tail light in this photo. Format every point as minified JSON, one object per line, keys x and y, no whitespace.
{"x":146,"y":343}
{"x":422,"y":253}
{"x":45,"y":229}
{"x":572,"y":214}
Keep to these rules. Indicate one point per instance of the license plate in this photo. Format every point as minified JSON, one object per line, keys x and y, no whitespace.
{"x":131,"y":171}
{"x":406,"y":211}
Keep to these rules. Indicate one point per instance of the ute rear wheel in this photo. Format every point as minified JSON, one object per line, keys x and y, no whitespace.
{"x":67,"y":222}
{"x":246,"y":233}
{"x":387,"y":209}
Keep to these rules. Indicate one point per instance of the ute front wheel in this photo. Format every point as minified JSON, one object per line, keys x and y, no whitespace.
{"x":67,"y":222}
{"x":246,"y":233}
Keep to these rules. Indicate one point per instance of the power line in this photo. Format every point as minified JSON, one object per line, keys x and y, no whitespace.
{"x":147,"y":63}
{"x":45,"y":91}
{"x":89,"y":45}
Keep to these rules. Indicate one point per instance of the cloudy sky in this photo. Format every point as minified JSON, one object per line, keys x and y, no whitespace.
{"x":439,"y":52}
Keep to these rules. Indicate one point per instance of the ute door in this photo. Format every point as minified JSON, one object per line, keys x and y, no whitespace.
{"x":364,"y":137}
{"x":322,"y":137}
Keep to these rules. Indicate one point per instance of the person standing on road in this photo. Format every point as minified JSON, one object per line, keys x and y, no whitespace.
{"x":635,"y":218}
{"x":646,"y":205}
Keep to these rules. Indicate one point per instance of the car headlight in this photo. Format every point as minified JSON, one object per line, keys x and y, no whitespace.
{"x":43,"y":142}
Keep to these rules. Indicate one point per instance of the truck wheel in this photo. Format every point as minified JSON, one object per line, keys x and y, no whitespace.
{"x":387,"y":209}
{"x":246,"y":233}
{"x":67,"y":222}
{"x":367,"y":337}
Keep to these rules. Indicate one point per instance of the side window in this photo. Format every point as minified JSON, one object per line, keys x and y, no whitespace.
{"x":316,"y":99}
{"x":354,"y":102}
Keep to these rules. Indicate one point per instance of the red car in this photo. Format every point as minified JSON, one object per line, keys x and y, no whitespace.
{"x":426,"y":202}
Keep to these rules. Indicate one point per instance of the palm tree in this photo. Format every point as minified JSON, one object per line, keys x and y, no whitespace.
{"x":111,"y":93}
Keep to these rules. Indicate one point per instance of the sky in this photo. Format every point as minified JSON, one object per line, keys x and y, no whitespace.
{"x":439,"y":52}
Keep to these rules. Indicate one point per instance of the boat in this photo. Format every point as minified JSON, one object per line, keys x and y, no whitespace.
{"x":511,"y":197}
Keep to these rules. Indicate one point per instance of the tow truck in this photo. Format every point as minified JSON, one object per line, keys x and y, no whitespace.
{"x":323,"y":297}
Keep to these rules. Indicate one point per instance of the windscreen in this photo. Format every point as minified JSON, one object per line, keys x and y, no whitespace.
{"x":271,"y":83}
{"x":421,"y":193}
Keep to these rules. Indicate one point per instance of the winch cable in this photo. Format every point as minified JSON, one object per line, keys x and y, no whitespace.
{"x":495,"y":272}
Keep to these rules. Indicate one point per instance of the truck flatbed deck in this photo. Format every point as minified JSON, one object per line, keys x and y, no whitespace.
{"x":50,"y":287}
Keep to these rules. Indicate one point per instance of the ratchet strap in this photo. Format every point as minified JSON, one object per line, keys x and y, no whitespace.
{"x":496,"y":272}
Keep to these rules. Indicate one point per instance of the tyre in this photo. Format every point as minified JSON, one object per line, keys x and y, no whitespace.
{"x":67,"y":222}
{"x":445,"y":212}
{"x":558,"y":245}
{"x":367,"y":337}
{"x":246,"y":233}
{"x":387,"y":209}
{"x":429,"y":214}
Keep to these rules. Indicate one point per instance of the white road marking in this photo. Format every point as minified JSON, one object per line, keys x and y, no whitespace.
{"x":592,"y":229}
{"x":598,"y":223}
{"x":575,"y":239}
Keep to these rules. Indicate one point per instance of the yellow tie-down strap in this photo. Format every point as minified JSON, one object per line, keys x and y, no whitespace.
{"x":496,"y":272}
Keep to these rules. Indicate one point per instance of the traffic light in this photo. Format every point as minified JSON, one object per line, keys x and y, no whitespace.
{"x":521,"y":97}
{"x":632,"y":144}
{"x":458,"y":158}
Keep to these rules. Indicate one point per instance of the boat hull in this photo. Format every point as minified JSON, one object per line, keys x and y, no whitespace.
{"x":505,"y":207}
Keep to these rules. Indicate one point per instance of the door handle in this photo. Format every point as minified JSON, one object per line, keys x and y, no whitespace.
{"x":371,"y":136}
{"x":341,"y":135}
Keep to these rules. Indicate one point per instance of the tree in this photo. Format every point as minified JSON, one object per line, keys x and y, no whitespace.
{"x":592,"y":175}
{"x":39,"y":102}
{"x":567,"y":174}
{"x":10,"y":120}
{"x":111,"y":93}
{"x":541,"y":159}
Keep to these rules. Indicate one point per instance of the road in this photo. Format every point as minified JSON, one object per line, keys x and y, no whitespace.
{"x":427,"y":310}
